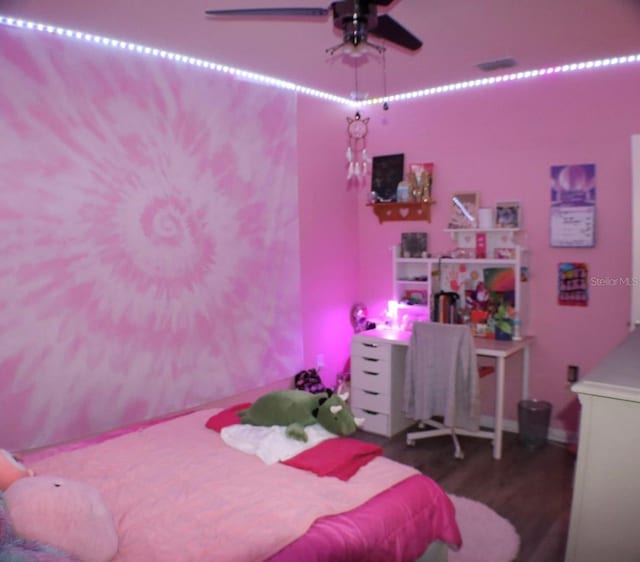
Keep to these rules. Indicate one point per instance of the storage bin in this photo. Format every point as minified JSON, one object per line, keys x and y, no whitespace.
{"x":533,"y":422}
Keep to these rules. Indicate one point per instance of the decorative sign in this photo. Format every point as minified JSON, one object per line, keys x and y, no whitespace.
{"x":573,"y":206}
{"x":464,"y":210}
{"x":573,"y":287}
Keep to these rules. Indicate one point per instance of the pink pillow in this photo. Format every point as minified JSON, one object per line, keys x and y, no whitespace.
{"x":64,"y":513}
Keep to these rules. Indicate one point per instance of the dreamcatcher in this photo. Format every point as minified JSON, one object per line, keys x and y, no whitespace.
{"x":359,"y":163}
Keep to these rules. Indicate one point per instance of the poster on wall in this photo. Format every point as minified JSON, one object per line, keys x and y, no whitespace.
{"x":573,"y":286}
{"x":573,"y":206}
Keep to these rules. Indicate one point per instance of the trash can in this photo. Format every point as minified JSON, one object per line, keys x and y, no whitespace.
{"x":533,"y":422}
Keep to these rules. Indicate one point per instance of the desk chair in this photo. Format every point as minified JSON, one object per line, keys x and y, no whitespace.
{"x":442,"y":379}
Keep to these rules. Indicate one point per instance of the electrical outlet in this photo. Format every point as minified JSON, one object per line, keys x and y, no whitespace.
{"x":319,"y":361}
{"x":572,"y":373}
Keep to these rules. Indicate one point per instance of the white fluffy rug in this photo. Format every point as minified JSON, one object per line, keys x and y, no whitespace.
{"x":486,"y":536}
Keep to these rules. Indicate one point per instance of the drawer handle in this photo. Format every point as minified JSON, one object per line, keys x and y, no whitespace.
{"x":370,"y":412}
{"x":370,"y":392}
{"x":371,"y":359}
{"x":370,"y":344}
{"x":370,"y":373}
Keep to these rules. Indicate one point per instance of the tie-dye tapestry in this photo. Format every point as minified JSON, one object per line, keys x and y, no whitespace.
{"x":148,"y":234}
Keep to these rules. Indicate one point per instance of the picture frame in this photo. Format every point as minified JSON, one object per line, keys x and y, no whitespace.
{"x":387,"y":172}
{"x":507,"y":214}
{"x":573,"y":284}
{"x":464,"y":210}
{"x":413,"y":244}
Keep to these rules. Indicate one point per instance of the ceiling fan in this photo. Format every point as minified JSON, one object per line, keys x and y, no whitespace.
{"x":357,"y":19}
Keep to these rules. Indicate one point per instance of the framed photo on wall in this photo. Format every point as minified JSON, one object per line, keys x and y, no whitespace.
{"x":507,"y":214}
{"x":387,"y":172}
{"x":413,"y":245}
{"x":464,"y":210}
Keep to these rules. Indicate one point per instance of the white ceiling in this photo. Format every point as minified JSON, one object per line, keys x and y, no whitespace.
{"x":457,"y":35}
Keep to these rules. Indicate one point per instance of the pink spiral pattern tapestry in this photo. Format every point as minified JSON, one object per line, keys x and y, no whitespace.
{"x":148,"y":233}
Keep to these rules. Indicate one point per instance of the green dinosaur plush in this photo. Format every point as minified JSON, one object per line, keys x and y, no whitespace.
{"x":296,"y":409}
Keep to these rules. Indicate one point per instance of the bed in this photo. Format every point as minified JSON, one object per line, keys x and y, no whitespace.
{"x":178,"y":493}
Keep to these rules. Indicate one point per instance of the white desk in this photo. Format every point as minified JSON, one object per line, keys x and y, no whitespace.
{"x":497,"y":350}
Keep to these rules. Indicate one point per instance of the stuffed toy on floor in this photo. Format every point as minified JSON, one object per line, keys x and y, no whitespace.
{"x":296,"y":409}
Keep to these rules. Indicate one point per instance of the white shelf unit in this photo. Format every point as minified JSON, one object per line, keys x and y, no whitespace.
{"x":497,"y":240}
{"x":429,"y":275}
{"x":412,"y":275}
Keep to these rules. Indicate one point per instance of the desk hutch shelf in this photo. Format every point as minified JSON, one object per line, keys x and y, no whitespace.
{"x":417,"y":280}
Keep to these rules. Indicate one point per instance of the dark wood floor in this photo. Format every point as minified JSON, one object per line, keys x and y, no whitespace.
{"x":530,"y":488}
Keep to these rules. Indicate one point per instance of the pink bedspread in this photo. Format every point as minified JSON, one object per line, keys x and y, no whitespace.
{"x":179,"y":494}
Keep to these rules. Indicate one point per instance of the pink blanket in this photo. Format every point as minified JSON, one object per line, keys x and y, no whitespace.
{"x":396,"y":525}
{"x":341,"y":457}
{"x":179,"y":494}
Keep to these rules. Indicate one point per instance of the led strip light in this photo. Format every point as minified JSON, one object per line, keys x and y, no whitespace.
{"x":284,"y":85}
{"x":128,"y":46}
{"x":562,"y":69}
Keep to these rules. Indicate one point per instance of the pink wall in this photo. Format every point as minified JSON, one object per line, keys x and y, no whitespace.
{"x":501,"y":142}
{"x":328,"y":234}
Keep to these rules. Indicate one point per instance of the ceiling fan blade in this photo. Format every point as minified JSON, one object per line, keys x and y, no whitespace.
{"x":259,"y":12}
{"x":381,"y":2}
{"x":389,"y":29}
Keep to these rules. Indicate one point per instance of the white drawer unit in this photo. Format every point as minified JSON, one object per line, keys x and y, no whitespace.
{"x":371,"y":375}
{"x":377,"y":382}
{"x":370,"y":348}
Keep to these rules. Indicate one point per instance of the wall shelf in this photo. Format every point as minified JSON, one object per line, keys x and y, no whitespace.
{"x":405,"y":211}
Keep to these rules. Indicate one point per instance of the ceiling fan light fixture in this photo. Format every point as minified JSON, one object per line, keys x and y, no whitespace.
{"x":355,"y":18}
{"x":355,"y":51}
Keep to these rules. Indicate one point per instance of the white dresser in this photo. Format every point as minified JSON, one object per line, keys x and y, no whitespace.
{"x":377,"y":380}
{"x":605,"y":511}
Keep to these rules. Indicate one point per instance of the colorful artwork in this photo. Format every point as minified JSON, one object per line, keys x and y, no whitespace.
{"x":573,"y":284}
{"x":150,"y":252}
{"x":500,"y":279}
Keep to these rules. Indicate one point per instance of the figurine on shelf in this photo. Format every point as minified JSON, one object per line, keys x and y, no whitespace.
{"x":425,"y":186}
{"x":415,"y":192}
{"x":420,"y":179}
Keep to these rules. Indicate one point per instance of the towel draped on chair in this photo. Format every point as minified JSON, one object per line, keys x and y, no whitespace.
{"x":441,"y":376}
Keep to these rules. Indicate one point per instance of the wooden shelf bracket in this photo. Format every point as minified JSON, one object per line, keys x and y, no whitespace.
{"x":406,"y":211}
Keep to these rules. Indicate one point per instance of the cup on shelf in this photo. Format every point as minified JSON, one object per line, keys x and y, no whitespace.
{"x":485,"y":218}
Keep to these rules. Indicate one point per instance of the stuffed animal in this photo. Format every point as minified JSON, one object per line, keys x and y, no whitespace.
{"x":11,"y":469}
{"x":17,"y":549}
{"x":296,"y":409}
{"x":66,"y":514}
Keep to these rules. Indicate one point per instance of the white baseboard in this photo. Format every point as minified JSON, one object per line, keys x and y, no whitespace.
{"x":555,"y":434}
